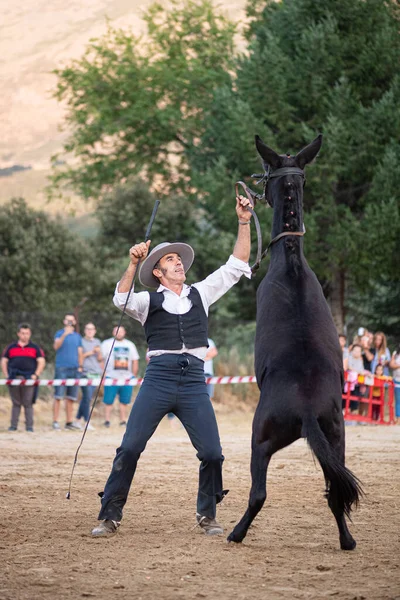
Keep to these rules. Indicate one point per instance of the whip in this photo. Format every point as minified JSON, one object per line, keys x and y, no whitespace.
{"x":146,"y":238}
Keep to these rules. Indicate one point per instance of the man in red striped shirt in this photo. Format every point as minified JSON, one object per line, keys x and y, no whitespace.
{"x":22,"y":360}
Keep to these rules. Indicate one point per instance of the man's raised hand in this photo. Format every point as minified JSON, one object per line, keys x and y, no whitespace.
{"x":139,"y":252}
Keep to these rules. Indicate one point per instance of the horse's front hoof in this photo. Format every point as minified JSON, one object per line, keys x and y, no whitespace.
{"x":348,"y":544}
{"x":234,"y":537}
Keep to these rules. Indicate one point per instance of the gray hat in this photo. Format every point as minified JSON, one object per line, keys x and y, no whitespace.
{"x":146,"y":276}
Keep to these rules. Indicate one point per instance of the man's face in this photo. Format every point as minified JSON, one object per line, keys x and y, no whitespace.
{"x":121,"y":333}
{"x":24,"y":335}
{"x":90,"y":331}
{"x":69,"y":320}
{"x":342,"y":341}
{"x":171,"y":270}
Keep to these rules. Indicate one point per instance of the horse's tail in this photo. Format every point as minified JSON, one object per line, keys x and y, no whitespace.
{"x":343,"y":489}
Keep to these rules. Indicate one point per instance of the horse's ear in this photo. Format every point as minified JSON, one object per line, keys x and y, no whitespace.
{"x":267,"y":154}
{"x":308,"y":153}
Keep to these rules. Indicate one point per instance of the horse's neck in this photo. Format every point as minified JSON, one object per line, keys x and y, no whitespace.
{"x":287,"y":256}
{"x":288,"y":251}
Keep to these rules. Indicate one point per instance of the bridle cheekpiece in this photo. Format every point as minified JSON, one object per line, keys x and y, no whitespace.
{"x":271,"y":174}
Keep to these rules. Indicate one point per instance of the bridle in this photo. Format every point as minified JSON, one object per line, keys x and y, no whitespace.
{"x":254,"y":198}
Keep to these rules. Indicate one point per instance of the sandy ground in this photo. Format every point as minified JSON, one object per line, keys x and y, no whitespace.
{"x":291,"y":551}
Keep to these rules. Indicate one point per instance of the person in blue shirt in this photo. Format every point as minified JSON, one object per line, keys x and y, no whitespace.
{"x":69,"y":363}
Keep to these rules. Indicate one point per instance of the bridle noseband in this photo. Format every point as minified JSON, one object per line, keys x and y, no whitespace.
{"x":254,"y":197}
{"x":270,"y":174}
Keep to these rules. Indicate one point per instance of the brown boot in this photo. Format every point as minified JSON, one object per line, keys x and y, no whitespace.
{"x":209,"y":526}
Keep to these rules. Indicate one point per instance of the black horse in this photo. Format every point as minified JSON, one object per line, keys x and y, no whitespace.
{"x":298,"y":360}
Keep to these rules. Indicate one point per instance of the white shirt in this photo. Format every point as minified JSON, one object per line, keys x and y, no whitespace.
{"x":120,"y":363}
{"x":210,"y":289}
{"x":396,"y":372}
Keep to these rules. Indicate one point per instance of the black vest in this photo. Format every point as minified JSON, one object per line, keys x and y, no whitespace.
{"x":165,"y":331}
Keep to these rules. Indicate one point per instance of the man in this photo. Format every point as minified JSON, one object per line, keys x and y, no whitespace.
{"x":69,"y":365}
{"x":93,"y":366}
{"x":22,"y":360}
{"x":123,"y":364}
{"x":175,"y":322}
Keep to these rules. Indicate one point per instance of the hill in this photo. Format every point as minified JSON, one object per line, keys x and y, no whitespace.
{"x":37,"y":37}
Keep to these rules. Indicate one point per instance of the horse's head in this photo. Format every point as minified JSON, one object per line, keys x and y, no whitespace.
{"x":283,"y":169}
{"x":284,"y":180}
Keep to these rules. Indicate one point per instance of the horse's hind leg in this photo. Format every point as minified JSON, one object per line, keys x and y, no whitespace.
{"x":260,"y":458}
{"x":336,"y":440}
{"x":347,"y":542}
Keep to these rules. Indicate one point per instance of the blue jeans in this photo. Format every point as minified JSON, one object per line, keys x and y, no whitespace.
{"x":210,"y":386}
{"x":397,"y":398}
{"x":71,"y":391}
{"x":173,"y":383}
{"x":84,"y":405}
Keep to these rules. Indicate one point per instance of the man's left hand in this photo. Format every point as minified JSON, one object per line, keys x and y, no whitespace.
{"x":241,"y":208}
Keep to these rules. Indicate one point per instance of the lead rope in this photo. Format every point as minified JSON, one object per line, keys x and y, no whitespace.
{"x":250,"y":195}
{"x":146,"y":238}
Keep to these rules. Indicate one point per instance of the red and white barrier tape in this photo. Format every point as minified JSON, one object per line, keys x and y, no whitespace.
{"x":351,"y":376}
{"x":132,"y":382}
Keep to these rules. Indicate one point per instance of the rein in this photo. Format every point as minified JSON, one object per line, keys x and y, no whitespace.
{"x":253,"y":197}
{"x":250,"y":195}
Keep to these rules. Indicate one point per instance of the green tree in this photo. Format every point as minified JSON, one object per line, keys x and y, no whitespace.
{"x":137,"y":104}
{"x":311,"y":67}
{"x":374,"y":298}
{"x":45,"y":270}
{"x":180,"y":109}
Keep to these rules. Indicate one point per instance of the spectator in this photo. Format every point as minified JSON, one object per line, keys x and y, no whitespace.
{"x":123,"y":364}
{"x":209,"y":365}
{"x":377,"y":394}
{"x":22,"y":360}
{"x":380,"y":353}
{"x":395,"y":366}
{"x":69,"y":365}
{"x":93,"y":366}
{"x":370,"y":337}
{"x":356,"y":364}
{"x":355,"y":359}
{"x":366,"y":341}
{"x":345,"y":350}
{"x":357,"y":338}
